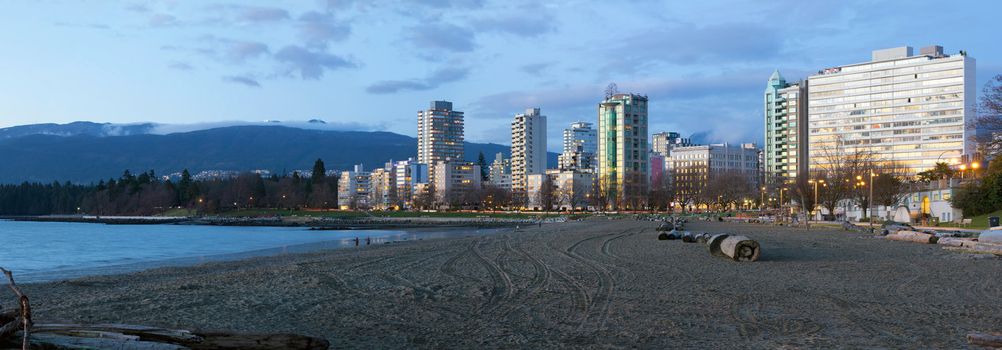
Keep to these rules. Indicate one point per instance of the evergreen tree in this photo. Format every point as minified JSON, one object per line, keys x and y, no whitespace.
{"x":319,"y":173}
{"x":482,"y":162}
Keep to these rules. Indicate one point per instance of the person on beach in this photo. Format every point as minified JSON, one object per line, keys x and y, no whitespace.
{"x":368,"y":240}
{"x":356,"y":241}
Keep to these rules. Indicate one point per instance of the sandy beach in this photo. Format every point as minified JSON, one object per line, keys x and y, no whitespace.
{"x":589,"y":284}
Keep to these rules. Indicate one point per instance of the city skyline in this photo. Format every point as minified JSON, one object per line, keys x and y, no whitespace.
{"x":366,"y":66}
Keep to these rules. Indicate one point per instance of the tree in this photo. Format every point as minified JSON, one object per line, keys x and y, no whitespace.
{"x":990,"y":116}
{"x":319,"y":173}
{"x":939,"y":171}
{"x":482,"y":162}
{"x":547,"y":193}
{"x":839,"y":167}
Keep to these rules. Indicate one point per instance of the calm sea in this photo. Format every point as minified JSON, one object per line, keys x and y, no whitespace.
{"x":45,"y":251}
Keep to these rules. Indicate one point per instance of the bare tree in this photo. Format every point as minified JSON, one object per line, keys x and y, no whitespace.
{"x":990,"y":116}
{"x":547,"y":193}
{"x":839,"y":167}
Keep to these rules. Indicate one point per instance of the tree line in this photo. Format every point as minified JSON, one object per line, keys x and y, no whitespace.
{"x":147,"y":194}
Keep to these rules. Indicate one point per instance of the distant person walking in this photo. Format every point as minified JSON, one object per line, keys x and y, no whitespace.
{"x":368,"y":240}
{"x":356,"y":241}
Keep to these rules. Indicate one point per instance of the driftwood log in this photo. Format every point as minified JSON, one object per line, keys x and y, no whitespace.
{"x":957,"y":241}
{"x":714,"y":244}
{"x":22,"y":317}
{"x":913,"y":236}
{"x":740,"y":248}
{"x":993,"y":340}
{"x":688,"y":237}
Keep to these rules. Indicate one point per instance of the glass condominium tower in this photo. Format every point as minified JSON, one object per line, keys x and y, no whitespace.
{"x":623,"y":150}
{"x":910,"y":111}
{"x":785,"y":152}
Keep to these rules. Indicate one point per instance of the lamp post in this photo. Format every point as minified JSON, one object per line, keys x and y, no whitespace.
{"x":869,"y":201}
{"x":761,"y":204}
{"x":814,"y":208}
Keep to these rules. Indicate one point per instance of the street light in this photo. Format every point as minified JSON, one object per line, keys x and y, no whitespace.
{"x":761,"y":204}
{"x":820,"y":181}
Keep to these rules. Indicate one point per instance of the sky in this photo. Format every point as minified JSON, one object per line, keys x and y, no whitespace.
{"x":371,"y":65}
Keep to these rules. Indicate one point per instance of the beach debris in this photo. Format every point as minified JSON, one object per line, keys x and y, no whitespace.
{"x":702,"y":238}
{"x":688,"y":237}
{"x":957,"y":241}
{"x":740,"y":248}
{"x":130,"y":337}
{"x":913,"y":236}
{"x":991,"y":340}
{"x":669,"y":235}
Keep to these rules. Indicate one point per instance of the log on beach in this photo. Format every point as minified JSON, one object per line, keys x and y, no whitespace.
{"x":956,"y":241}
{"x":714,"y":244}
{"x":740,"y":248}
{"x":993,"y":340}
{"x":117,"y":336}
{"x":913,"y":236}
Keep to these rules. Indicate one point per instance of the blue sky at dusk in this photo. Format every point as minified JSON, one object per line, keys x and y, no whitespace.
{"x":370,"y":65}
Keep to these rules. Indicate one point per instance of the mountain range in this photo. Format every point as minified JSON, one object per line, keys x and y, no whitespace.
{"x":85,"y":152}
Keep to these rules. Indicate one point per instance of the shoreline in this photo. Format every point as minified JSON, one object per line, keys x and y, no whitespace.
{"x":402,"y":237}
{"x":317,"y":223}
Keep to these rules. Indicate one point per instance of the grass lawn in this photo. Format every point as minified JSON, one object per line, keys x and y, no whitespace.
{"x":977,"y":222}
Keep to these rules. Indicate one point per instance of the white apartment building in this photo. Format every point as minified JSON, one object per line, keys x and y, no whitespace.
{"x":353,"y":189}
{"x":500,"y":172}
{"x":572,"y":189}
{"x":383,"y":188}
{"x":528,"y":148}
{"x":909,"y":110}
{"x":579,"y":146}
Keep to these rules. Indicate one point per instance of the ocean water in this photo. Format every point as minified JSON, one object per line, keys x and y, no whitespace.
{"x":45,"y":251}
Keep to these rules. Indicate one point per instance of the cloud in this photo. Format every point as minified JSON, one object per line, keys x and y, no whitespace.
{"x":434,"y":80}
{"x":180,"y":66}
{"x":536,"y":68}
{"x":140,"y":8}
{"x":317,"y":29}
{"x":311,"y":64}
{"x":464,"y":4}
{"x":242,"y":80}
{"x":81,"y":25}
{"x":238,"y":51}
{"x":692,"y":45}
{"x":162,"y":20}
{"x":257,"y":14}
{"x":442,"y":36}
{"x":520,"y":25}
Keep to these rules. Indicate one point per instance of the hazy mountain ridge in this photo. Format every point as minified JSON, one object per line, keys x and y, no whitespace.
{"x":36,"y":153}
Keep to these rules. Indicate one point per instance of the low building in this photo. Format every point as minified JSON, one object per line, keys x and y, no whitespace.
{"x":454,"y":181}
{"x":383,"y":188}
{"x":409,"y":174}
{"x":353,"y":189}
{"x":692,"y":167}
{"x":499,"y":174}
{"x":571,"y":190}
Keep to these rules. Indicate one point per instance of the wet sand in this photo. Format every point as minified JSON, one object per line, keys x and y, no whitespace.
{"x":589,"y":284}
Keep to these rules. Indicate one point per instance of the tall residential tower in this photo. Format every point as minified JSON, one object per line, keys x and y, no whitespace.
{"x":579,"y":147}
{"x":528,"y":148}
{"x":785,"y":152}
{"x":623,"y":150}
{"x":440,"y":133}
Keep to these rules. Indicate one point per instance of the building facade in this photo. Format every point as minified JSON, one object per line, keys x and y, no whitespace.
{"x":693,"y":166}
{"x":572,"y":189}
{"x":383,"y":188}
{"x":663,"y":142}
{"x":908,"y":110}
{"x":785,"y":149}
{"x":499,"y":174}
{"x":353,"y":189}
{"x":453,"y":181}
{"x":440,"y":133}
{"x":409,"y":174}
{"x":623,"y":150}
{"x":580,"y":143}
{"x":528,"y":148}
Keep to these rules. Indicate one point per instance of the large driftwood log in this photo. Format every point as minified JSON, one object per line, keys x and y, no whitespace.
{"x":688,"y":237}
{"x":956,"y":241}
{"x":714,"y":244}
{"x":740,"y":248}
{"x":132,"y":337}
{"x":993,"y":340}
{"x":913,"y":236}
{"x":23,"y":319}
